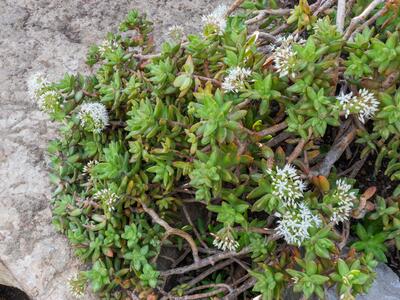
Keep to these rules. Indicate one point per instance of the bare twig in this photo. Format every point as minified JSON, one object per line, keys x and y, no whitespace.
{"x":211,"y":285}
{"x":244,"y":287}
{"x":270,"y":130}
{"x":349,"y":6}
{"x":196,"y":232}
{"x":133,"y":296}
{"x":278,"y":139}
{"x":213,"y":80}
{"x":325,"y":5}
{"x":357,"y":166}
{"x":279,"y":29}
{"x":255,"y":230}
{"x":208,"y":272}
{"x":296,"y":152}
{"x":243,"y":104}
{"x":361,"y":17}
{"x":206,"y":295}
{"x":211,"y":260}
{"x":173,"y":231}
{"x":265,"y":12}
{"x":267,"y":36}
{"x":335,"y":152}
{"x":242,"y":264}
{"x":86,"y":93}
{"x":235,"y":5}
{"x":369,"y":21}
{"x":341,"y":15}
{"x":345,"y":234}
{"x":146,"y":56}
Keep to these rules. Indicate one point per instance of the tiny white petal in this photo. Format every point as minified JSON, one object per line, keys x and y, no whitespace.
{"x":93,"y":115}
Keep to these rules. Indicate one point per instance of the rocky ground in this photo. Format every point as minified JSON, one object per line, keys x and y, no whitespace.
{"x":51,"y":36}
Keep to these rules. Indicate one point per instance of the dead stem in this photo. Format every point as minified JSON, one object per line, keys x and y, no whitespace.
{"x":296,"y":152}
{"x":211,"y":260}
{"x":335,"y":152}
{"x":270,"y":130}
{"x":208,"y":272}
{"x":244,"y":287}
{"x":261,"y":14}
{"x":235,"y":5}
{"x":361,"y":18}
{"x":196,"y":232}
{"x":173,"y":231}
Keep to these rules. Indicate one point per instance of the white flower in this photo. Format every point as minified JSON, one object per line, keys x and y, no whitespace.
{"x":36,"y":83}
{"x":49,"y":101}
{"x":93,"y":116}
{"x":235,"y":79}
{"x":77,"y":286}
{"x":344,"y":199}
{"x":344,"y":100}
{"x":108,"y":198}
{"x":216,"y":20}
{"x":176,"y":32}
{"x":89,"y":166}
{"x":295,"y":223}
{"x":365,"y":104}
{"x":107,"y":45}
{"x":40,"y":92}
{"x":289,"y":40}
{"x":284,"y":55}
{"x":224,"y":240}
{"x":286,"y":184}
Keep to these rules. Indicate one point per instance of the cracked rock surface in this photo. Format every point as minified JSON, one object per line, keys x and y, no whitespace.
{"x":51,"y":36}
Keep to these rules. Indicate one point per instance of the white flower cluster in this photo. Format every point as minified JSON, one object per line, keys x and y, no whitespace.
{"x":176,"y":32}
{"x":284,"y":55}
{"x":36,"y":83}
{"x":224,"y":240}
{"x":235,"y":79}
{"x":216,"y":20}
{"x":297,"y":218}
{"x":93,"y":116}
{"x":286,"y":184}
{"x":295,"y":223}
{"x":46,"y":98}
{"x":365,"y":104}
{"x":106,"y":45}
{"x":89,"y":166}
{"x":108,"y":198}
{"x":77,"y":286}
{"x":345,"y":201}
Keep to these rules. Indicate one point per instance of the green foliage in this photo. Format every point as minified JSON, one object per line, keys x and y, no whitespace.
{"x":269,"y":283}
{"x":309,"y":281}
{"x":220,"y":144}
{"x":371,"y":240}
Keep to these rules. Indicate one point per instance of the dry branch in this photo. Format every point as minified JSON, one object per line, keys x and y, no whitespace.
{"x":244,"y":287}
{"x":173,"y":231}
{"x":335,"y":152}
{"x":235,"y":5}
{"x":341,"y":15}
{"x":361,"y":17}
{"x":211,"y":260}
{"x":369,"y":21}
{"x":265,"y":12}
{"x":209,"y":271}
